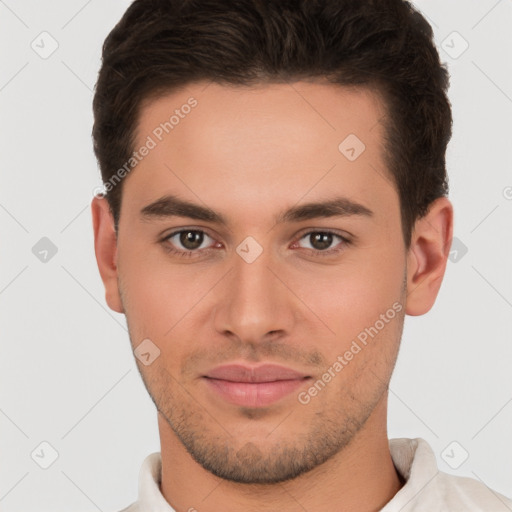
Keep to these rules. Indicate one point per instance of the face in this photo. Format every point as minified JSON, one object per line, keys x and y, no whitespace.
{"x":256,"y":275}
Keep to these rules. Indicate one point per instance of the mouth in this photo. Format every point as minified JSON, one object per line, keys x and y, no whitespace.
{"x":253,"y":386}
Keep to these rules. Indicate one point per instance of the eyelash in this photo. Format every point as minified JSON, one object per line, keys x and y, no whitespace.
{"x":192,"y":254}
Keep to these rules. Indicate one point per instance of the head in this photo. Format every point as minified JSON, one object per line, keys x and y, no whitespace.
{"x":310,"y":137}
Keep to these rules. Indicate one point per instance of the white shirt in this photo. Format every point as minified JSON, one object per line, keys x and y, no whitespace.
{"x":426,"y":489}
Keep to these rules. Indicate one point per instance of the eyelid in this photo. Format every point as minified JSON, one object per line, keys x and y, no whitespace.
{"x":345,"y":238}
{"x":165,"y":238}
{"x":333,"y":231}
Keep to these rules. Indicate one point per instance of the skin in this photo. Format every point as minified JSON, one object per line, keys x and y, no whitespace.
{"x":249,"y":154}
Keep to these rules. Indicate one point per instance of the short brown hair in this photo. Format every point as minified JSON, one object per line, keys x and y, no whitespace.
{"x":160,"y":46}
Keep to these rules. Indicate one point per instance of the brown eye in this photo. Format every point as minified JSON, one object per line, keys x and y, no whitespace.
{"x":191,"y":239}
{"x":322,"y":242}
{"x":186,"y":241}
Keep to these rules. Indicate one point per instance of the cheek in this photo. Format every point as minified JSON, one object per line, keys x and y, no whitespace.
{"x":352,"y":296}
{"x":148,"y":293}
{"x":338,"y":301}
{"x":160,"y":298}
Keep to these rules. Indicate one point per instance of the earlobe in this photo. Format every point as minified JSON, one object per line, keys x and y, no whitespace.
{"x":105,"y":248}
{"x":428,"y":255}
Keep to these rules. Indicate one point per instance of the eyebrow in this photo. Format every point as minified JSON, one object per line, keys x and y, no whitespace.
{"x":172,"y":206}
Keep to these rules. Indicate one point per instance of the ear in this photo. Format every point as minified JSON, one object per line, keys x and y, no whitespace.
{"x":428,"y":255}
{"x":105,"y":247}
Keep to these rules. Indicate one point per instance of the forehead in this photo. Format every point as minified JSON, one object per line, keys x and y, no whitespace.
{"x":282,"y":141}
{"x":303,"y":108}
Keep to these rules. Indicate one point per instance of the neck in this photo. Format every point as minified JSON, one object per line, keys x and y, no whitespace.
{"x":361,"y":478}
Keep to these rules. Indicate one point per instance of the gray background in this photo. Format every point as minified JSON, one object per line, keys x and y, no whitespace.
{"x":68,"y":377}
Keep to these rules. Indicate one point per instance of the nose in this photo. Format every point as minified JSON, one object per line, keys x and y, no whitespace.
{"x":255,"y":302}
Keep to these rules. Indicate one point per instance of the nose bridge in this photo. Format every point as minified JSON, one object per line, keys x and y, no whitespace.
{"x":254,"y":300}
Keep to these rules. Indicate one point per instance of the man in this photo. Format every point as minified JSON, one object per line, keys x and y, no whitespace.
{"x":275,"y":204}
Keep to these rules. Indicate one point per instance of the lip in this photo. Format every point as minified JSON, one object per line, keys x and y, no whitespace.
{"x":262,"y":373}
{"x":251,"y":386}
